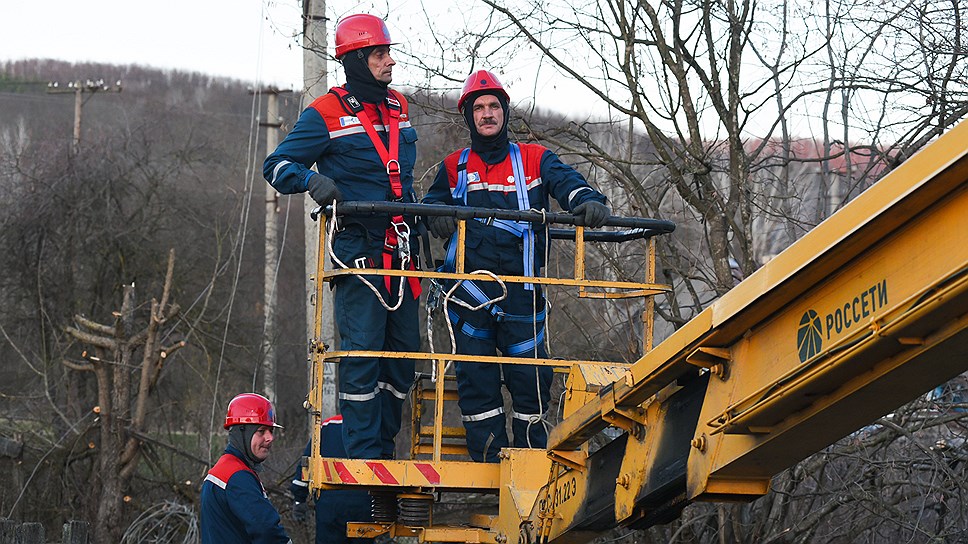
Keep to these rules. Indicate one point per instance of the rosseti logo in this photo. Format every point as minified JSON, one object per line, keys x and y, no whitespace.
{"x":809,"y":335}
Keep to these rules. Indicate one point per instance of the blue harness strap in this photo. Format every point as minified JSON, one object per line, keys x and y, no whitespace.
{"x":521,"y":229}
{"x":521,"y":186}
{"x":499,"y":314}
{"x":526,"y":346}
{"x":460,"y":191}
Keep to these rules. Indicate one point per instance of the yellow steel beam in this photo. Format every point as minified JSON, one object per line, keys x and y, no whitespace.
{"x":649,"y":314}
{"x":887,"y":206}
{"x":438,"y":427}
{"x":861,"y":315}
{"x":434,"y":533}
{"x":643,"y":288}
{"x":333,"y":355}
{"x":445,"y":432}
{"x":436,"y":475}
{"x":829,"y":369}
{"x":444,"y":449}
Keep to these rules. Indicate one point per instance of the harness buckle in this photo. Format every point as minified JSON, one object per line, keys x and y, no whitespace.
{"x":402,"y":229}
{"x":435,"y":296}
{"x":393,"y":167}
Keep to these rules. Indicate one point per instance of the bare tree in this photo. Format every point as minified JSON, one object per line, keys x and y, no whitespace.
{"x":707,"y":110}
{"x":747,"y":123}
{"x":120,"y":351}
{"x":163,"y":166}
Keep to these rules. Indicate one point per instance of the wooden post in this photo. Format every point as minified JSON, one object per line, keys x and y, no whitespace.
{"x":78,"y":89}
{"x":314,"y":85}
{"x":273,"y":123}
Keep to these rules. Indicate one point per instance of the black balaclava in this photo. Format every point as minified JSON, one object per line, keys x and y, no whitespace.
{"x":240,"y":436}
{"x":359,"y":79}
{"x":493,"y":149}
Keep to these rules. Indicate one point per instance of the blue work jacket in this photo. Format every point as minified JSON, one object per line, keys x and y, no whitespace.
{"x":235,"y":507}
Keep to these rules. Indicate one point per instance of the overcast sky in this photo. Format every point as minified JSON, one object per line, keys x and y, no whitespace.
{"x":245,"y":39}
{"x":251,"y":40}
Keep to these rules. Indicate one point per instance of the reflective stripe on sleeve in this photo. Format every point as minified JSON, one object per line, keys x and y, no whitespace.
{"x":275,"y":171}
{"x":574,"y":193}
{"x":216,"y":481}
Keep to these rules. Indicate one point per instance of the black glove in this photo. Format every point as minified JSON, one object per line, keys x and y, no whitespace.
{"x":594,"y":214}
{"x":442,"y":226}
{"x":300,"y":511}
{"x":323,"y":190}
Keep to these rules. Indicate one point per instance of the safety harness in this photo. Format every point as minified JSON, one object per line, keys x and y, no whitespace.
{"x":397,"y":239}
{"x":521,"y":229}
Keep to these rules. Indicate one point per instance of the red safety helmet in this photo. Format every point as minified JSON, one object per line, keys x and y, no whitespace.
{"x":481,"y":80}
{"x":359,"y":31}
{"x":250,"y":408}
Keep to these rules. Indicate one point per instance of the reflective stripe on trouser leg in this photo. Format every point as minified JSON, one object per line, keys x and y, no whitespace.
{"x":370,"y":424}
{"x":529,"y":385}
{"x":486,"y":427}
{"x":396,"y":375}
{"x":524,"y":383}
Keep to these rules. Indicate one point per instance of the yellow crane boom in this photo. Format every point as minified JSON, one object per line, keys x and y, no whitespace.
{"x":861,"y":315}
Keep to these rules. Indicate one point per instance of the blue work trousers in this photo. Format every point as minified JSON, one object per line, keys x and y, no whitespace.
{"x":334,"y":509}
{"x":515,"y":326}
{"x":371,"y":389}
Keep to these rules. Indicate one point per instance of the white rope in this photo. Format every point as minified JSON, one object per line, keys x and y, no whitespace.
{"x":447,"y":296}
{"x":450,"y":292}
{"x":403,"y":266}
{"x":534,"y":326}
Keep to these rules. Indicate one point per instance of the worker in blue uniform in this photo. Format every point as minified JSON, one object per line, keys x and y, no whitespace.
{"x":360,"y":138}
{"x":496,"y":173}
{"x":334,"y":508}
{"x":235,"y":507}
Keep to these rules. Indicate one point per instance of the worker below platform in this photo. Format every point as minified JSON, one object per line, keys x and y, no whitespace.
{"x":360,"y":139}
{"x":235,"y":507}
{"x":334,"y":508}
{"x":495,"y":173}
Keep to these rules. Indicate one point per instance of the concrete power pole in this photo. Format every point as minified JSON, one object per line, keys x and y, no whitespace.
{"x":78,"y":89}
{"x":273,"y":123}
{"x":314,"y":85}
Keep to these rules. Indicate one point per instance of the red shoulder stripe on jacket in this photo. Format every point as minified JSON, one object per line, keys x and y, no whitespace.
{"x":226,"y":467}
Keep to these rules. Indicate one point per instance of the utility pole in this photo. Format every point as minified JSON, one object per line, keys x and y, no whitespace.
{"x":273,"y":124}
{"x":79,"y":88}
{"x":314,"y":85}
